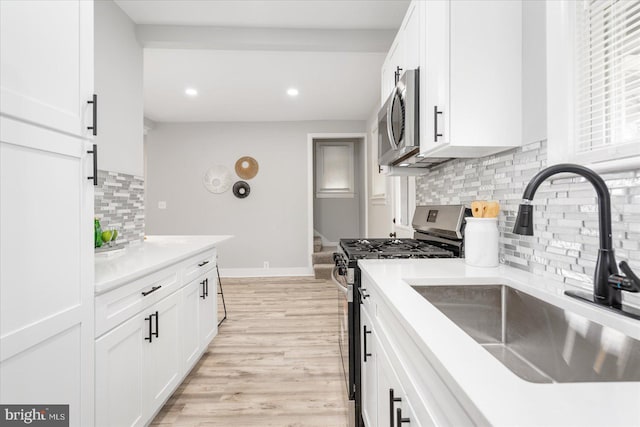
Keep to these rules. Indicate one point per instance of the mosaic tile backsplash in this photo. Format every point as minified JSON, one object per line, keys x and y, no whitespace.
{"x":119,"y":204}
{"x":565,"y":241}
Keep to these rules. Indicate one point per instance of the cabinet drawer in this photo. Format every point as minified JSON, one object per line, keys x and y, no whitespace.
{"x":114,"y":307}
{"x":199,"y":264}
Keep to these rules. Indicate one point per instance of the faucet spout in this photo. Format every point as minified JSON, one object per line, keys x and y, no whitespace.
{"x":603,"y":293}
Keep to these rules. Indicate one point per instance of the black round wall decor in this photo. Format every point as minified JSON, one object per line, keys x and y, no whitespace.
{"x":241,"y":189}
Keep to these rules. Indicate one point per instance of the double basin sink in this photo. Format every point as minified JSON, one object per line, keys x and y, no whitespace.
{"x":537,"y":341}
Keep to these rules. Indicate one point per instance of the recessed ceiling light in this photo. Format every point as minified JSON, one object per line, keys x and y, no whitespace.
{"x":190,"y":92}
{"x":292,"y":91}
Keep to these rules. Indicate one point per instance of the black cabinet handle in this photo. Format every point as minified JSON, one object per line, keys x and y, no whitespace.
{"x":396,"y":75}
{"x":157,"y":329}
{"x":393,"y":235}
{"x":155,"y":288}
{"x":399,"y":419}
{"x":95,"y":164}
{"x":94,"y":101}
{"x":203,"y":283}
{"x":150,"y":337}
{"x":365,"y":344}
{"x":392,"y":402}
{"x":203,"y":263}
{"x":206,"y":287}
{"x":364,"y":296}
{"x":436,"y":135}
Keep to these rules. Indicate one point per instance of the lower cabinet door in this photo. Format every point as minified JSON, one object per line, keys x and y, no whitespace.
{"x":120,"y":375}
{"x":208,"y":311}
{"x":161,"y":358}
{"x":190,"y":324}
{"x":369,"y":378}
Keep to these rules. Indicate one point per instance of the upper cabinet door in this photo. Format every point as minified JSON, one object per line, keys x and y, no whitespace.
{"x":434,"y":89}
{"x":46,"y":70}
{"x":412,"y":39}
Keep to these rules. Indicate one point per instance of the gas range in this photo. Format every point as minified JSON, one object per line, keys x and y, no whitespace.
{"x":355,"y":249}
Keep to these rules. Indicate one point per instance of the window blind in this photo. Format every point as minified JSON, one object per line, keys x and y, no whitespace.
{"x":607,"y":67}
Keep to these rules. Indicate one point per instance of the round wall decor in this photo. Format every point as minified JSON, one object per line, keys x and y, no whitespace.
{"x":217,"y":179}
{"x":241,"y":189}
{"x":246,"y":167}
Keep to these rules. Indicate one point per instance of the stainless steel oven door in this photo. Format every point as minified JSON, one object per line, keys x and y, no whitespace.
{"x":345,"y":301}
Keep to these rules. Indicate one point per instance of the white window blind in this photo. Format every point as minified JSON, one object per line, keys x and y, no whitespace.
{"x":607,"y":68}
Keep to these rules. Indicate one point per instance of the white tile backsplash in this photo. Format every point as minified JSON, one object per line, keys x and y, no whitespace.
{"x":565,"y":241}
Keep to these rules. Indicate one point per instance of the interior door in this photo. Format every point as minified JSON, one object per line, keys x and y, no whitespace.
{"x":403,"y":206}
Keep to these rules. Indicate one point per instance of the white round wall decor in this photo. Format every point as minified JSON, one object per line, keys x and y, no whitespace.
{"x":218,"y":179}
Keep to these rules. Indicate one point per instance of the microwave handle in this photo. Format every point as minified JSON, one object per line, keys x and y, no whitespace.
{"x":392,"y":98}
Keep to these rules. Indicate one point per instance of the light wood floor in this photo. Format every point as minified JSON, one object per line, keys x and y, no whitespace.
{"x":275,"y":361}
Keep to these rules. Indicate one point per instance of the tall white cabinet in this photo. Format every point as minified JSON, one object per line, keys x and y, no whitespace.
{"x":46,"y":205}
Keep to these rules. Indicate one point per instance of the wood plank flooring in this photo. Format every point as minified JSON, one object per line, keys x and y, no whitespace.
{"x":275,"y":361}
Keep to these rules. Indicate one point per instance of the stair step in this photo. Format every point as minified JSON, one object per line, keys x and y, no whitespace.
{"x":324,"y":257}
{"x":323,"y":271}
{"x":317,"y":244}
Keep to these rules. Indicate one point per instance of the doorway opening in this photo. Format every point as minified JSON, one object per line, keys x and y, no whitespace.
{"x":337,"y":191}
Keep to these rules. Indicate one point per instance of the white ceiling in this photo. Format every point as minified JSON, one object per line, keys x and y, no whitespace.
{"x":307,"y":14}
{"x":242,"y":82}
{"x":252,"y":85}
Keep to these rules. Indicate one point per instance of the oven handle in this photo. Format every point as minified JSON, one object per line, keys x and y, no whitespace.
{"x":342,"y":288}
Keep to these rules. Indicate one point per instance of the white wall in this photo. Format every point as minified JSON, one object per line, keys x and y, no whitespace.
{"x":269,"y":225}
{"x":534,"y":68}
{"x":118,"y":83}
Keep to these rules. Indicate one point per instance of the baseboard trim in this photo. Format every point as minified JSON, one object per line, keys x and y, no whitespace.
{"x":266,"y":272}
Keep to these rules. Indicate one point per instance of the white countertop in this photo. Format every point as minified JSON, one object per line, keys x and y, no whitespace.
{"x":476,"y":377}
{"x":154,"y":253}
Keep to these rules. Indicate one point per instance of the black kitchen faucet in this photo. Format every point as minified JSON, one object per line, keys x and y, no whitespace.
{"x":608,"y":284}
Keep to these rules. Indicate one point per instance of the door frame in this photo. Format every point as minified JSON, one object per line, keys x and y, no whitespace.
{"x":311,"y":169}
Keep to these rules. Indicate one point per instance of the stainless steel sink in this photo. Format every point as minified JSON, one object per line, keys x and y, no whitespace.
{"x":537,"y":341}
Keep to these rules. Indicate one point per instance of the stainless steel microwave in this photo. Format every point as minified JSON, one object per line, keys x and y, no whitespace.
{"x":398,"y":121}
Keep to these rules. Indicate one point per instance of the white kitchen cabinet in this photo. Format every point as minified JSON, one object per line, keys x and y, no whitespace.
{"x":471,"y":87}
{"x":46,"y":67}
{"x":138,"y":365}
{"x":208,"y":310}
{"x":162,"y":354}
{"x":120,"y":374}
{"x":151,"y":332}
{"x":190,"y":324}
{"x":46,"y":206}
{"x":395,"y":363}
{"x":404,"y":51}
{"x":369,"y":393}
{"x":199,"y":316}
{"x":392,"y":396}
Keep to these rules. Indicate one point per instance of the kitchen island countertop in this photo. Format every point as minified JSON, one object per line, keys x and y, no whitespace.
{"x":481,"y":383}
{"x":154,"y":253}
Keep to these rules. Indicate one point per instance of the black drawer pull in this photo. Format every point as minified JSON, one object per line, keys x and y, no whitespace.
{"x":392,"y":402}
{"x":365,"y":344}
{"x":363,"y":295}
{"x":399,"y":419}
{"x":94,"y":128}
{"x":203,"y":263}
{"x":206,"y":287}
{"x":95,"y":164}
{"x":155,"y":288}
{"x":157,"y":329}
{"x":150,"y":337}
{"x":204,"y":292}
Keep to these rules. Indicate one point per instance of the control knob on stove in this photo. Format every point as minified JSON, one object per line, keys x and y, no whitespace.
{"x":342,"y":270}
